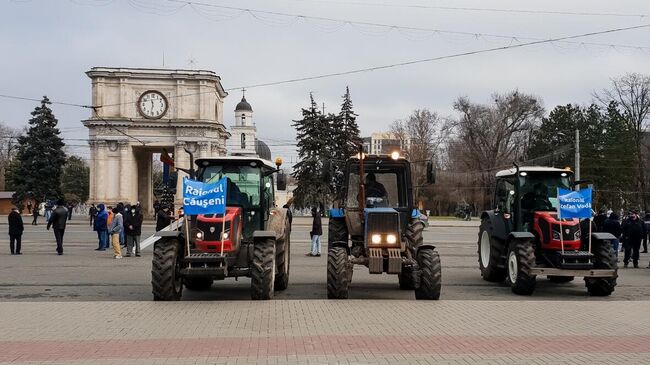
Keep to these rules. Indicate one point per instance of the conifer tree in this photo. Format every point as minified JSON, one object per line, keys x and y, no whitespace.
{"x":40,"y":158}
{"x":345,"y":139}
{"x":313,"y":149}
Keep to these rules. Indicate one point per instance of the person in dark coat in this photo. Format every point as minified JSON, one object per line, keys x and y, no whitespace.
{"x":163,"y":218}
{"x":633,"y":233}
{"x":599,"y":220}
{"x":57,"y":221}
{"x":613,"y":227}
{"x":133,"y":230}
{"x":92,"y":213}
{"x":646,"y":221}
{"x":35,"y":215}
{"x":316,"y":232}
{"x":100,"y":225}
{"x":16,"y":229}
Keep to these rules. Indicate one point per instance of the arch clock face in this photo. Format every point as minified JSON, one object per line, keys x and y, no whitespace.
{"x":152,"y":104}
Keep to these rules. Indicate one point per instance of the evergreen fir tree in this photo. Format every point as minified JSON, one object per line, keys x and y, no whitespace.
{"x":40,"y":158}
{"x":75,"y":181}
{"x":313,"y":149}
{"x":345,"y":140}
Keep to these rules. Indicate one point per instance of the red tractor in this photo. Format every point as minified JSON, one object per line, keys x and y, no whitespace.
{"x":252,"y":239}
{"x":522,"y":237}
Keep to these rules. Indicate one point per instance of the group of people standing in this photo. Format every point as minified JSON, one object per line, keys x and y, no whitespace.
{"x":120,"y":225}
{"x":632,"y":232}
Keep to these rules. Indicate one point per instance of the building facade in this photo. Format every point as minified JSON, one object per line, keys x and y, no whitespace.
{"x":139,"y":112}
{"x":382,"y":143}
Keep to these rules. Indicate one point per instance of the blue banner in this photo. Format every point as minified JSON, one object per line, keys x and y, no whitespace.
{"x":574,"y":204}
{"x":202,"y":198}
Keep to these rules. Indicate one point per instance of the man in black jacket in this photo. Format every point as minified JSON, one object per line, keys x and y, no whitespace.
{"x":613,"y":227}
{"x":163,"y":218}
{"x":16,"y":229}
{"x":633,"y":232}
{"x":57,"y":221}
{"x":133,"y":230}
{"x":316,"y":232}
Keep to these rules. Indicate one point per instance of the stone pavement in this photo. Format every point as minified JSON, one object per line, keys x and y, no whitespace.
{"x":321,"y":331}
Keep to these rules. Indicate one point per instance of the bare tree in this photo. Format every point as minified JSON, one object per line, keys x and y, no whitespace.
{"x":490,"y":137}
{"x":632,"y":94}
{"x":8,"y":143}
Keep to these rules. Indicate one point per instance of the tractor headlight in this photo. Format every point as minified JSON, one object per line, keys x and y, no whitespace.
{"x":577,"y":235}
{"x":375,"y":239}
{"x":391,"y":239}
{"x":224,"y":236}
{"x":199,"y":235}
{"x":556,"y":235}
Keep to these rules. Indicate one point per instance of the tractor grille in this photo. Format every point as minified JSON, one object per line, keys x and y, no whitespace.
{"x":573,"y":231}
{"x":211,"y":230}
{"x":383,"y":222}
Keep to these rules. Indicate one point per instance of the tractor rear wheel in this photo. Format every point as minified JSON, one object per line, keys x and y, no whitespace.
{"x":166,"y":282}
{"x":604,"y":258}
{"x":198,"y":284}
{"x":337,"y":231}
{"x":560,"y":279}
{"x":338,"y":277}
{"x":489,"y":254}
{"x":414,"y":232}
{"x":282,"y":260}
{"x":521,"y":258}
{"x":263,"y":269}
{"x":430,"y":275}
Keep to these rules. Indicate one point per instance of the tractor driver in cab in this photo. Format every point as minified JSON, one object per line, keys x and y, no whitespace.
{"x":235,"y":196}
{"x":534,"y":201}
{"x":374,"y":189}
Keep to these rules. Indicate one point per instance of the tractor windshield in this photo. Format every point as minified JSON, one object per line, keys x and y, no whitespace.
{"x":539,"y":190}
{"x":243,"y":185}
{"x":382,"y":188}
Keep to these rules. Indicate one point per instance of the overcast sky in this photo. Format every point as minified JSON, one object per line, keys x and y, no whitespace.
{"x":46,"y":46}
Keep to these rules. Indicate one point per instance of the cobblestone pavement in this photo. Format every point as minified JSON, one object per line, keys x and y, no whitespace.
{"x":319,"y":331}
{"x":86,"y":308}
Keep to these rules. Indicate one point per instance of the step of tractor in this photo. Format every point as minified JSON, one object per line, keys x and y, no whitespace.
{"x":576,"y":265}
{"x":203,"y":257}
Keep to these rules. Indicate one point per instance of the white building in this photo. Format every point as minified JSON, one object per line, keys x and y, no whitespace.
{"x":382,"y":143}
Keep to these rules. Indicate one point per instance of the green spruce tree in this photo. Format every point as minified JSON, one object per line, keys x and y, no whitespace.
{"x":75,"y":180}
{"x":40,"y":158}
{"x":345,"y":141}
{"x":312,"y":189}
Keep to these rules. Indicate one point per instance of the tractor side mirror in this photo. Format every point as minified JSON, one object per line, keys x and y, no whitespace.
{"x":191,"y":170}
{"x":431,"y":173}
{"x":281,"y":181}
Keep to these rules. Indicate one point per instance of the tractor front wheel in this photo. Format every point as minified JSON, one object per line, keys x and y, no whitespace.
{"x":604,"y":258}
{"x":338,"y":278}
{"x":166,"y":282}
{"x":263,"y":269}
{"x":430,"y":275}
{"x":521,"y":258}
{"x":282,"y":260}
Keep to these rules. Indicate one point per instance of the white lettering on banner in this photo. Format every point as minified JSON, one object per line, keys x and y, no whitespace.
{"x":200,"y":192}
{"x":204,"y":203}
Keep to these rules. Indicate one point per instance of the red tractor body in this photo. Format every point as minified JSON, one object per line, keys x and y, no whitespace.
{"x":210,"y":227}
{"x":548,"y":228}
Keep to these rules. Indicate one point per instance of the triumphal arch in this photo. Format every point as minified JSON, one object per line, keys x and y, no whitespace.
{"x":141,"y":112}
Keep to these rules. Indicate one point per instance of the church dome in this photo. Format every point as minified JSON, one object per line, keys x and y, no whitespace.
{"x":243,"y":106}
{"x":262,"y":150}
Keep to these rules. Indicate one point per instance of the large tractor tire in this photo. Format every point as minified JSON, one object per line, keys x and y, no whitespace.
{"x":337,"y":231}
{"x":166,"y":282}
{"x":560,"y":279}
{"x":490,"y":253}
{"x":263,"y":269}
{"x":604,"y":258}
{"x":521,"y":259}
{"x":338,"y":277}
{"x":430,"y":275}
{"x":282,"y":261}
{"x":198,"y":284}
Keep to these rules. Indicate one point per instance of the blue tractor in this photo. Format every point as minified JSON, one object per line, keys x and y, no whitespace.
{"x":376,"y":224}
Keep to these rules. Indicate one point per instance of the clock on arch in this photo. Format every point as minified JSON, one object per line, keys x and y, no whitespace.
{"x":152,"y":104}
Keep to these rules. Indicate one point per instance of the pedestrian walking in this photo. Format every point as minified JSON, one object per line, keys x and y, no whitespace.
{"x":100,"y":225}
{"x":163,"y":218}
{"x":633,"y":233}
{"x":599,"y":220}
{"x":613,"y":227}
{"x":92,"y":213}
{"x":29,"y":207}
{"x":646,"y":222}
{"x":70,"y":207}
{"x":117,"y":227}
{"x":35,"y":215}
{"x":58,"y":220}
{"x":16,"y":229}
{"x":133,"y":230}
{"x":316,"y":232}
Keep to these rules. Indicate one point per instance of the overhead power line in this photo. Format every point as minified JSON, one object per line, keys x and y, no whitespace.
{"x":388,"y":27}
{"x":477,"y":9}
{"x":40,"y":100}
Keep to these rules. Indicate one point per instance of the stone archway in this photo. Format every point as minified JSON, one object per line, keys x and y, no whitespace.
{"x":123,"y":134}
